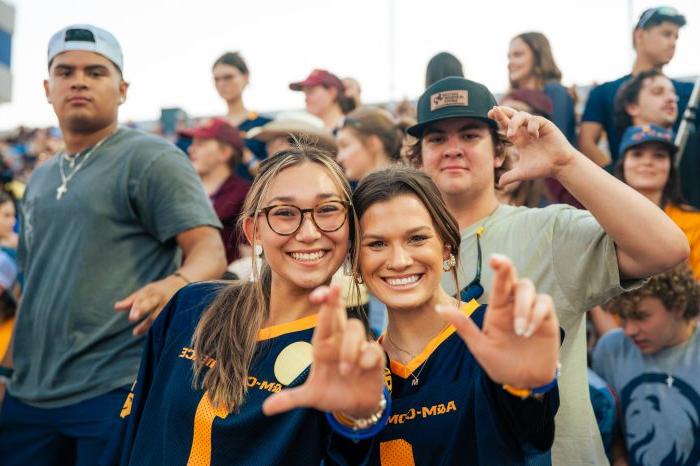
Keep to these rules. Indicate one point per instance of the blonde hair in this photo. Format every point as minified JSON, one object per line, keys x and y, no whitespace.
{"x":227,"y":332}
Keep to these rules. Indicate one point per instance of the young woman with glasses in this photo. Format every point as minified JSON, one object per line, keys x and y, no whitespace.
{"x":225,"y":363}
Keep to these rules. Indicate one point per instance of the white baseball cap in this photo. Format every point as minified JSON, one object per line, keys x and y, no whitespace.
{"x":88,"y":38}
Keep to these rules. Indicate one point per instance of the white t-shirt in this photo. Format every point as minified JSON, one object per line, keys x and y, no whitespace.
{"x":566,"y":254}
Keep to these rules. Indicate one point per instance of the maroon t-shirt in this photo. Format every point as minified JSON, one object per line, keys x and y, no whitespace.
{"x":228,"y":202}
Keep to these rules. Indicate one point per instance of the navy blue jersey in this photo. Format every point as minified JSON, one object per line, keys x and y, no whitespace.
{"x":171,"y":423}
{"x":455,"y":414}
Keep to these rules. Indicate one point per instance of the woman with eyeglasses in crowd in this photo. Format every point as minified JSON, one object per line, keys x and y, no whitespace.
{"x":218,"y":352}
{"x":231,"y":77}
{"x":452,"y":384}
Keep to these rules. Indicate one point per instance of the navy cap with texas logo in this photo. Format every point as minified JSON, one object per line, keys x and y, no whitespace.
{"x":453,"y":97}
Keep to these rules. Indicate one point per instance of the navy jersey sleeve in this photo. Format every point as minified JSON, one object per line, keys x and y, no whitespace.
{"x":134,"y":405}
{"x":528,"y":423}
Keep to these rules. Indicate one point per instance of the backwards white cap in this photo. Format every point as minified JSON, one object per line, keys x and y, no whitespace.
{"x":89,"y":38}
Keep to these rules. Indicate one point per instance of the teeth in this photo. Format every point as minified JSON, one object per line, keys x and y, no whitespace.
{"x":308,"y":256}
{"x":402,"y":281}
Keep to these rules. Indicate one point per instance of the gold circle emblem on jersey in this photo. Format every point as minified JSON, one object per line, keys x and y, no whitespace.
{"x":292,"y":361}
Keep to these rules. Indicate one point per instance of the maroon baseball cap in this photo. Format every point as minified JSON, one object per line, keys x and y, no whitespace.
{"x":219,"y":129}
{"x":319,"y":78}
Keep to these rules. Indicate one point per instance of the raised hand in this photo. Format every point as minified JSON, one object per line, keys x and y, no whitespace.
{"x":542,"y":148}
{"x":347,"y":372}
{"x":519,"y":342}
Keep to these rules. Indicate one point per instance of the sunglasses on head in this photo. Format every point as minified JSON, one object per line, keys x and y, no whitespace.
{"x":664,"y":11}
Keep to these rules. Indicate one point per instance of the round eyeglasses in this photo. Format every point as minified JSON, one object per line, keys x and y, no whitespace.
{"x":286,"y":219}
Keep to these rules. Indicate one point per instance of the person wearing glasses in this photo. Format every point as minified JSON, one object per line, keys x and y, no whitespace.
{"x":654,"y":40}
{"x":454,"y":364}
{"x":226,"y":362}
{"x":579,"y":257}
{"x":231,"y":77}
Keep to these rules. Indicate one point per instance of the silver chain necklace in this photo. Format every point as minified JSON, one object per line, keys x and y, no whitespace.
{"x":416,"y":377}
{"x":63,"y":188}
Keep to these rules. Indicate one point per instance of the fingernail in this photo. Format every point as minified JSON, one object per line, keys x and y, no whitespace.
{"x":530,"y":331}
{"x":519,"y":326}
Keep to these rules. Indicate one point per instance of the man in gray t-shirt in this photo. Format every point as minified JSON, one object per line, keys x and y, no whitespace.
{"x":111,"y":228}
{"x":580,"y":258}
{"x":653,"y":365}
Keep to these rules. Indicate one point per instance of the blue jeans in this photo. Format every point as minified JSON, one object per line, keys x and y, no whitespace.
{"x":71,"y":435}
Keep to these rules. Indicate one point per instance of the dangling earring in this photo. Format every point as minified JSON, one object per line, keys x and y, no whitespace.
{"x":358,"y":278}
{"x":449,"y":263}
{"x":258,"y":250}
{"x":347,"y":266}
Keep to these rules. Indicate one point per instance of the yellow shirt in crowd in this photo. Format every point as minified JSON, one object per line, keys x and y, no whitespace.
{"x":5,"y":335}
{"x":688,"y":220}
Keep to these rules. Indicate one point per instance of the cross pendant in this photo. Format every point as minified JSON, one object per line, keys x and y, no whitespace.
{"x":60,"y":191}
{"x":669,"y":380}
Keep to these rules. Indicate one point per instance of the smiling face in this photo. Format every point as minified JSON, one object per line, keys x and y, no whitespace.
{"x":647,"y":167}
{"x":520,"y":61}
{"x":459,"y":155}
{"x":401,"y":253}
{"x":85,"y":90}
{"x":309,"y":257}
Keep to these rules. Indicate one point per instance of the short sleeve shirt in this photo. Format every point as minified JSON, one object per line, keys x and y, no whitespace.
{"x":658,"y":395}
{"x":600,"y":108}
{"x":566,"y":254}
{"x":110,"y":234}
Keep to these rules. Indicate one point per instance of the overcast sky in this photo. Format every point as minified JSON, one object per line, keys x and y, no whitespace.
{"x":170,"y":45}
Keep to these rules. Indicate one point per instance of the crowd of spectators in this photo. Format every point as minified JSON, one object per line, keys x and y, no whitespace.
{"x":629,"y":127}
